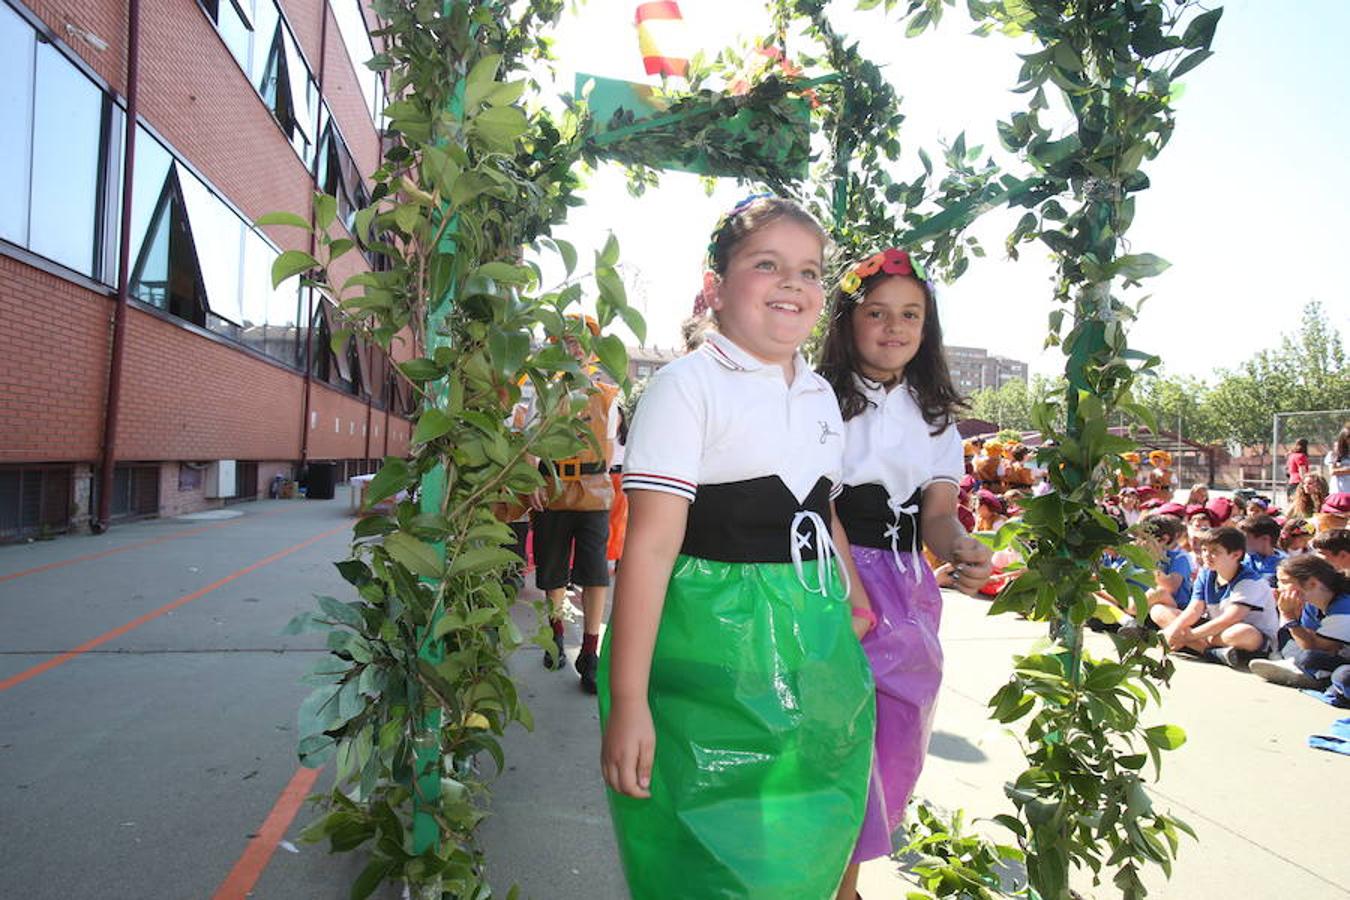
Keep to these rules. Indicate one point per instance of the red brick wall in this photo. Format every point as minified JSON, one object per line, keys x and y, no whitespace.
{"x":345,"y":99}
{"x":53,"y":378}
{"x":105,"y":18}
{"x":194,"y":93}
{"x":186,"y":396}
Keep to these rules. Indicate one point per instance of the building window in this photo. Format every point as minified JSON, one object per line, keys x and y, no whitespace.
{"x":34,"y":501}
{"x":356,"y":37}
{"x":234,"y":21}
{"x":265,"y":49}
{"x":58,"y":145}
{"x":135,"y":491}
{"x":195,"y":258}
{"x":337,"y":173}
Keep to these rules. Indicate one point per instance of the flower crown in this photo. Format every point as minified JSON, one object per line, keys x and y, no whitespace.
{"x":725,"y":220}
{"x":893,"y":261}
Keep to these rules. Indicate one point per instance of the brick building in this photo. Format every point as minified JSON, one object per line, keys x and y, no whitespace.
{"x":243,"y":107}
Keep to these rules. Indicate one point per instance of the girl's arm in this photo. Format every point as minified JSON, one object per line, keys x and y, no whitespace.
{"x":857,"y":597}
{"x":944,"y":534}
{"x":656,"y":523}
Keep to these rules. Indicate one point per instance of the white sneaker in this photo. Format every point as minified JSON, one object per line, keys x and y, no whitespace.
{"x":1283,"y":672}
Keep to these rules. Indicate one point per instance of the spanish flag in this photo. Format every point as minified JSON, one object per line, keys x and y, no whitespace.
{"x":662,"y":39}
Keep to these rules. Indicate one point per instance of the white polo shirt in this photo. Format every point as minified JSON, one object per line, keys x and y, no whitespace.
{"x":890,"y":444}
{"x":718,"y":415}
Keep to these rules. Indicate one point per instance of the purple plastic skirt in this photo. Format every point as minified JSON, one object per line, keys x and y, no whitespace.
{"x":906,"y":660}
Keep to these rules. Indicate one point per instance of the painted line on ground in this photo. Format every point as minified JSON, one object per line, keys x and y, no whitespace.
{"x":258,"y":853}
{"x":102,"y":554}
{"x":88,"y":645}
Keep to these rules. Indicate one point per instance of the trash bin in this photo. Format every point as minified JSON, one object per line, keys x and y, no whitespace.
{"x":322,"y":481}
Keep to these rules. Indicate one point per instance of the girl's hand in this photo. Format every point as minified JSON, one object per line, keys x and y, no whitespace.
{"x":1290,"y":603}
{"x":972,"y":564}
{"x":627,"y":750}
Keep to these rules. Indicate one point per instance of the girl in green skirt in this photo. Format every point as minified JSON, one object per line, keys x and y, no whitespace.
{"x":735,"y":700}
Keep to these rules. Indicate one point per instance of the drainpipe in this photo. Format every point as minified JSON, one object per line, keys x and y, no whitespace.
{"x":310,"y":306}
{"x":108,"y":456}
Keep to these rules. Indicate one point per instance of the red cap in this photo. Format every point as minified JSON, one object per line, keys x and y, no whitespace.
{"x":1220,"y":510}
{"x":1336,"y":505}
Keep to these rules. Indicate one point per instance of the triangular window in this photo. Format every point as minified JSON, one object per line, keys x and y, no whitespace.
{"x":167,"y":273}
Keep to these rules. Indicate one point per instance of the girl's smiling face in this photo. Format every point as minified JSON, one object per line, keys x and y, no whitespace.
{"x":888,"y":327}
{"x":770,"y":296}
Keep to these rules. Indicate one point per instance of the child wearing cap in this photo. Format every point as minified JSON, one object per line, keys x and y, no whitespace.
{"x":1160,"y":475}
{"x":990,"y":511}
{"x":1334,"y":513}
{"x":1231,"y":617}
{"x":571,"y":524}
{"x":1295,"y":537}
{"x":990,"y":469}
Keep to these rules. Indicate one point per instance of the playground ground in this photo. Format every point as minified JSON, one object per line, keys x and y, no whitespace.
{"x":147,"y":735}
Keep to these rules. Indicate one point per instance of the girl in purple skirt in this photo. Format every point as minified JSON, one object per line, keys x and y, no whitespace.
{"x":902,"y":465}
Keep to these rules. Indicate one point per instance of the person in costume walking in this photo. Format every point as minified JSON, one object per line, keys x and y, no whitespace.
{"x":571,"y":526}
{"x":902,"y":467}
{"x":736,"y":703}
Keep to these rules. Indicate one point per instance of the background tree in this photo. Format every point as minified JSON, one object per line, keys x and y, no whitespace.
{"x":1307,"y":371}
{"x":1180,"y":404}
{"x":1010,"y":404}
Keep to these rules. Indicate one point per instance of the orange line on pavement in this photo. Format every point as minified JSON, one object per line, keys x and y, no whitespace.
{"x":258,"y":853}
{"x":88,"y":645}
{"x":88,"y":557}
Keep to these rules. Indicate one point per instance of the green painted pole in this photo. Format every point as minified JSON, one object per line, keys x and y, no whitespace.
{"x":429,"y":759}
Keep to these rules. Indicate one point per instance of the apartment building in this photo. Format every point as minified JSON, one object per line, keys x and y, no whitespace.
{"x":974,"y":368}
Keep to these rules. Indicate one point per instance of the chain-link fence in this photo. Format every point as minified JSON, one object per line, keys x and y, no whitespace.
{"x":1318,"y":427}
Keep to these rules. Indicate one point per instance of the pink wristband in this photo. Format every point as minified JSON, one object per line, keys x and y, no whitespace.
{"x":866,"y":614}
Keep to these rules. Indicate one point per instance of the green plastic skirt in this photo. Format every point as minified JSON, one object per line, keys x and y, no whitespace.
{"x":763,"y":706}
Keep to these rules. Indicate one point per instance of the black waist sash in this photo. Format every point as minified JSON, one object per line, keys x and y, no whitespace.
{"x":865,"y":511}
{"x":751,"y":521}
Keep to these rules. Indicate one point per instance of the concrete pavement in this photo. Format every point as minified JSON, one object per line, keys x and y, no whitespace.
{"x":160,"y":734}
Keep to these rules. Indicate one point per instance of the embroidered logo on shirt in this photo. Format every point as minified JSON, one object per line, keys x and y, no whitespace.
{"x":825,"y":431}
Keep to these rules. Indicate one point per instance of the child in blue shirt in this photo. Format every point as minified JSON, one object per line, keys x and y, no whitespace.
{"x":1173,"y":577}
{"x":1322,"y":632}
{"x":1231,"y":617}
{"x":1263,"y":553}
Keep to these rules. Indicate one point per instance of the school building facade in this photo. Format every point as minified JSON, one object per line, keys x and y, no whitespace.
{"x":975,"y":369}
{"x":191,"y":382}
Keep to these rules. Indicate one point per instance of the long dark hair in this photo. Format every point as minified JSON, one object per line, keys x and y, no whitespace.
{"x":1343,"y":443}
{"x":927,"y":375}
{"x":1308,"y":566}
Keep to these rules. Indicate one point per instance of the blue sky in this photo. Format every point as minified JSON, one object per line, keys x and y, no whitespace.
{"x":1249,"y":200}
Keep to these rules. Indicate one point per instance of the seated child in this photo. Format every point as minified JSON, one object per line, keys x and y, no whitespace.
{"x":990,"y":511}
{"x":1295,"y":537}
{"x":1334,"y":547}
{"x":1231,"y":617}
{"x":1321,"y":634}
{"x":1263,"y":533}
{"x":1173,"y":578}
